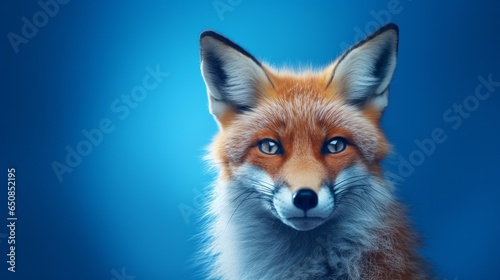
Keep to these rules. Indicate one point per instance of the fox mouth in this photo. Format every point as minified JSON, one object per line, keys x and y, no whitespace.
{"x":305,"y":218}
{"x":304,"y":223}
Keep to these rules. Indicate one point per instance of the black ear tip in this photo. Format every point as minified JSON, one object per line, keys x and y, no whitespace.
{"x":209,"y":33}
{"x":216,"y":36}
{"x":389,"y":26}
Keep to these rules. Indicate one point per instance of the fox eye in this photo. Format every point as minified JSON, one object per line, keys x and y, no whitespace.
{"x":270,"y":147}
{"x":334,"y":145}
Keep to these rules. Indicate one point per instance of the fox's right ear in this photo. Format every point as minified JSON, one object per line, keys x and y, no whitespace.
{"x":234,"y":78}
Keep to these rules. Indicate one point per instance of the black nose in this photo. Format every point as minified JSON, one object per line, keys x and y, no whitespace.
{"x":305,"y":199}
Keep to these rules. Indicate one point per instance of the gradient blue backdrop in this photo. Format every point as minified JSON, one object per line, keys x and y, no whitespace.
{"x":119,"y":208}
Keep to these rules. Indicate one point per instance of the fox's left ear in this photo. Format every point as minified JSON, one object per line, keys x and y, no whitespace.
{"x":363,"y":73}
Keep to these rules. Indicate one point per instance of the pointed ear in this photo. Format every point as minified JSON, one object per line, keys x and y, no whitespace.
{"x":234,"y":78}
{"x":363,"y":73}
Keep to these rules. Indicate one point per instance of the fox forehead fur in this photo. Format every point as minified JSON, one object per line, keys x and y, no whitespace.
{"x":300,"y":194}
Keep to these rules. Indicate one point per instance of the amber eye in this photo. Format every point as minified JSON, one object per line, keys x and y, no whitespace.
{"x":334,"y":145}
{"x":270,"y":147}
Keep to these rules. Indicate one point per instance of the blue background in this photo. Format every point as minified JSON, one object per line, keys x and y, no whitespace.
{"x":120,"y":207}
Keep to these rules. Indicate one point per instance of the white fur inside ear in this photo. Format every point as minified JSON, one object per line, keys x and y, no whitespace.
{"x":233,"y":79}
{"x":216,"y":105}
{"x":363,"y":74}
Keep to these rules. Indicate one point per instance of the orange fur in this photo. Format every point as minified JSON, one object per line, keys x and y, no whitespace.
{"x":300,"y":138}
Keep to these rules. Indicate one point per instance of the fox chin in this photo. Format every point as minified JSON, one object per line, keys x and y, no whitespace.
{"x":300,"y":192}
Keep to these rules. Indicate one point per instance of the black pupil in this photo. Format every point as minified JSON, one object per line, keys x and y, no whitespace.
{"x":335,"y":146}
{"x":271,"y":147}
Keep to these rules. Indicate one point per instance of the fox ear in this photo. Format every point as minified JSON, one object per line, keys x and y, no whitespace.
{"x":234,"y":78}
{"x":363,"y":73}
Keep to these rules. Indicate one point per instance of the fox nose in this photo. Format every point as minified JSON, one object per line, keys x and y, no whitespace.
{"x":305,"y":199}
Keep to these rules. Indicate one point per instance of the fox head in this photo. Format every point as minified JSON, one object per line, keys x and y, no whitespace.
{"x":306,"y":145}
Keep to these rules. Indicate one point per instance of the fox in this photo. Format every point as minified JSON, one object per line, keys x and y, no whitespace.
{"x":300,"y":191}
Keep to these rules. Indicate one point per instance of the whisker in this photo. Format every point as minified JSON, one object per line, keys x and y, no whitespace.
{"x":236,"y":209}
{"x":240,"y":195}
{"x":346,"y":182}
{"x":253,"y":180}
{"x":351,"y":195}
{"x":385,"y":195}
{"x":262,"y":187}
{"x":350,"y":187}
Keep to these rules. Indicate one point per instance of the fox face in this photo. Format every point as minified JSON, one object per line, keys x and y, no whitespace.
{"x":305,"y":148}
